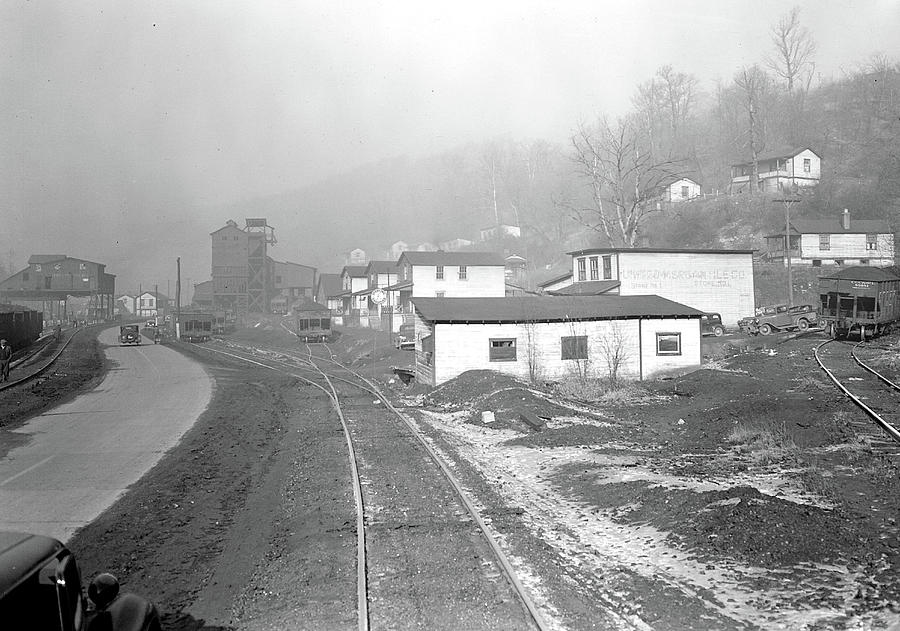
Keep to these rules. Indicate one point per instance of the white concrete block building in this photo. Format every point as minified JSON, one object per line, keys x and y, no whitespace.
{"x":719,"y":281}
{"x":551,"y":338}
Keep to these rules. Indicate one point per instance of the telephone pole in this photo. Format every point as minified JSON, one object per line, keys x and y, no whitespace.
{"x":787,"y":201}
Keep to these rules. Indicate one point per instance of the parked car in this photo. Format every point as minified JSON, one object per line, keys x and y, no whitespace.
{"x":711,"y":324}
{"x":406,"y":337}
{"x":774,"y":318}
{"x":40,"y":588}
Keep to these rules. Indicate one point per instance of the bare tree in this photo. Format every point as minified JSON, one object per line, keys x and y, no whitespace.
{"x":613,"y":345}
{"x":794,"y":50}
{"x":623,"y":179}
{"x":753,"y":86}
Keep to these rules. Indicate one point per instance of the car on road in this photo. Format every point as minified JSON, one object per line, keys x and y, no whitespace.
{"x":129,"y":334}
{"x":711,"y":324}
{"x":40,"y":588}
{"x":773,"y":318}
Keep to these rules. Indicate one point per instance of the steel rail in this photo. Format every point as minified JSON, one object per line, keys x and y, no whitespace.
{"x":362,"y":589}
{"x":40,"y":371}
{"x":887,"y":427}
{"x":499,"y":554}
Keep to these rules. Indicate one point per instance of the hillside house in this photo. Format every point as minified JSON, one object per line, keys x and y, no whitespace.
{"x":679,"y":189}
{"x":356,"y":256}
{"x":719,"y":281}
{"x":500,"y":231}
{"x":785,"y":170}
{"x":353,"y":304}
{"x":455,"y":244}
{"x":818,"y":242}
{"x":448,"y":274}
{"x":381,"y":275}
{"x":549,"y":338}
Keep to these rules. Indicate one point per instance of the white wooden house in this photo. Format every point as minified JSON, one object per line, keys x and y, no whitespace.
{"x":719,"y":281}
{"x":553,"y":338}
{"x":151,"y":305}
{"x":448,"y":274}
{"x":834,"y":242}
{"x":785,"y":170}
{"x":680,"y":189}
{"x":354,"y":305}
{"x":381,"y":275}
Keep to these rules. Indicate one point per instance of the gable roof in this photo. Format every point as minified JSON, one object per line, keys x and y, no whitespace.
{"x":440,"y":257}
{"x":654,"y":251}
{"x":354,"y":271}
{"x":586,"y":288}
{"x":45,"y":258}
{"x":330,"y":284}
{"x":834,"y":226}
{"x":382,"y":267}
{"x":781,"y":152}
{"x":549,"y":308}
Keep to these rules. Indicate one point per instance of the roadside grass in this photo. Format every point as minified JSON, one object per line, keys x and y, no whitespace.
{"x":765,"y":442}
{"x":599,"y":391}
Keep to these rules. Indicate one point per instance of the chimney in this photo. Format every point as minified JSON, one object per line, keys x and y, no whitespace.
{"x":845,"y":220}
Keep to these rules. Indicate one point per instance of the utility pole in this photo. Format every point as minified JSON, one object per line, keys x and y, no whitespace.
{"x":787,"y":201}
{"x":178,"y":299}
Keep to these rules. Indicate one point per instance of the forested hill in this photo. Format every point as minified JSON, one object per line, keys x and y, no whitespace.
{"x":674,"y":128}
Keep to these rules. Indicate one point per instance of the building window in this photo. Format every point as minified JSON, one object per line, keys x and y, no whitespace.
{"x":439,"y":272}
{"x":684,"y":192}
{"x":595,"y":268}
{"x":817,"y":263}
{"x":278,"y":280}
{"x":582,"y":270}
{"x":607,"y":267}
{"x":37,"y":268}
{"x":824,"y":241}
{"x":807,"y":165}
{"x":668,"y":343}
{"x":574,"y":347}
{"x":463,"y":272}
{"x":871,"y":241}
{"x":82,"y":266}
{"x":439,"y":294}
{"x":503,"y":349}
{"x":863,"y":261}
{"x":24,"y":275}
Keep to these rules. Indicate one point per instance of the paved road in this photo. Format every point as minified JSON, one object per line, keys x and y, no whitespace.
{"x":75,"y":460}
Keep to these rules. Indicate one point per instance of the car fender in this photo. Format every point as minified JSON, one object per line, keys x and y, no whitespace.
{"x":130,"y":612}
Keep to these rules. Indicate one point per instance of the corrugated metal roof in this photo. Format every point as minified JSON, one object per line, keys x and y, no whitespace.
{"x":550,"y":308}
{"x":586,"y":288}
{"x":654,"y":251}
{"x":453,"y":258}
{"x":863,"y":272}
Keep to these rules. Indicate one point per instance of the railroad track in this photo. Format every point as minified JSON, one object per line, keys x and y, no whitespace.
{"x":43,"y":367}
{"x":416,"y":525}
{"x":877,"y":395}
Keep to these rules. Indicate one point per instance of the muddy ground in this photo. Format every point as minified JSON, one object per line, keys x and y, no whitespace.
{"x":738,"y":496}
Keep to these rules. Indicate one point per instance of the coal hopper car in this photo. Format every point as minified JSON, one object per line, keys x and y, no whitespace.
{"x":312,"y":322}
{"x":20,"y":326}
{"x":860,"y":301}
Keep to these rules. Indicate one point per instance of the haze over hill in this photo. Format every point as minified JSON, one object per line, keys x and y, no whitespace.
{"x":131,"y":130}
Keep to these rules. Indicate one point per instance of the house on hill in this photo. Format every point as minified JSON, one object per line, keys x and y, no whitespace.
{"x":818,"y":242}
{"x":784,"y":170}
{"x":679,"y":189}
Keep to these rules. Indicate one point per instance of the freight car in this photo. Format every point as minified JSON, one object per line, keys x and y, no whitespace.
{"x":197,"y":327}
{"x":312,"y":322}
{"x":860,"y":300}
{"x":20,"y":326}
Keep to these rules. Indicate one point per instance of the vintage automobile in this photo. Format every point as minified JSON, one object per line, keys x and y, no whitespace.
{"x":40,"y":588}
{"x":711,"y":324}
{"x":405,"y":339}
{"x":129,"y":334}
{"x":774,"y":318}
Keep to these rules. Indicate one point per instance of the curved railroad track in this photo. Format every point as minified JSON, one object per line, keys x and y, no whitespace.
{"x":416,"y":525}
{"x":877,"y":395}
{"x":32,"y":372}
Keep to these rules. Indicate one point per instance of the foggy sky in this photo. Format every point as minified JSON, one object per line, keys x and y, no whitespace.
{"x":120,"y":117}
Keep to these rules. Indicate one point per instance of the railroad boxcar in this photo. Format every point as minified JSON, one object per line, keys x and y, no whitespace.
{"x":860,"y":300}
{"x":20,"y":326}
{"x":197,"y":327}
{"x":312,"y":322}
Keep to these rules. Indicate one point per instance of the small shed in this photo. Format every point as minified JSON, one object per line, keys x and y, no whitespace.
{"x":555,"y":337}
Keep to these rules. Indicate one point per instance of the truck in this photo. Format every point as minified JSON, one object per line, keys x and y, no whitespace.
{"x":775,"y":318}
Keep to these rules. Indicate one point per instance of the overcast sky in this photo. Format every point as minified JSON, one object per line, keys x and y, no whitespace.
{"x":118,"y":113}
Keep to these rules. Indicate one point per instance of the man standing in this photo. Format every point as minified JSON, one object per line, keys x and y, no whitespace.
{"x":5,"y":357}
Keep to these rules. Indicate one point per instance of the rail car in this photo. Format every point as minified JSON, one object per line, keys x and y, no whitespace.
{"x":20,"y":326}
{"x":197,"y":327}
{"x":860,"y":300}
{"x":312,"y":322}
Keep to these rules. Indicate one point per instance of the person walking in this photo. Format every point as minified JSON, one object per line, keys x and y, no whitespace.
{"x":5,"y":357}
